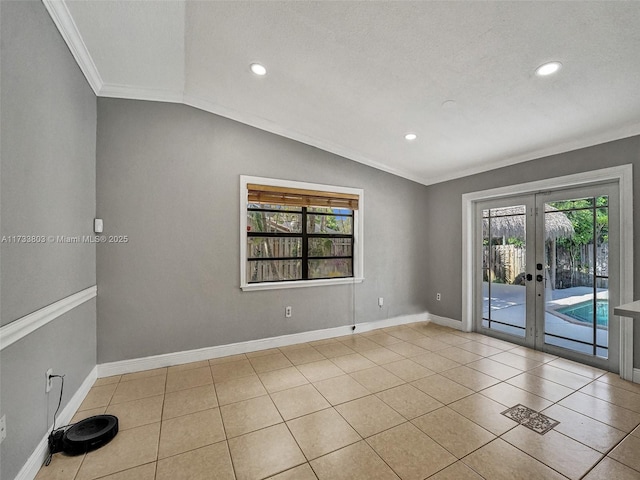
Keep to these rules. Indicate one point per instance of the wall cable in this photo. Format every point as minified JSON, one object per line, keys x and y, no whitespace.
{"x":53,"y":429}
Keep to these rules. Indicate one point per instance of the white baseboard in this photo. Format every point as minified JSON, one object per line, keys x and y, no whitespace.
{"x":390,"y":322}
{"x":636,"y":375}
{"x":179,"y":358}
{"x":30,"y":469}
{"x":445,"y":321}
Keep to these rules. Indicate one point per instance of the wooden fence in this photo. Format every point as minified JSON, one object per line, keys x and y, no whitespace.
{"x":269,"y":250}
{"x":505,"y":263}
{"x":573,"y":268}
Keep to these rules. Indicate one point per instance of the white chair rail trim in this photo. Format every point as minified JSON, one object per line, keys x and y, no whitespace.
{"x":18,"y":329}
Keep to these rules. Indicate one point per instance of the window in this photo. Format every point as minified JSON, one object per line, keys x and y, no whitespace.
{"x":299,"y":234}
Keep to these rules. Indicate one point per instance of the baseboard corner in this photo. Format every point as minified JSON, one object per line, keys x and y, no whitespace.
{"x":33,"y":464}
{"x":445,"y":321}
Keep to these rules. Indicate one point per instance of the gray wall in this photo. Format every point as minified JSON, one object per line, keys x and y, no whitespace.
{"x":48,"y":129}
{"x":68,"y":345}
{"x":444,"y":214}
{"x":48,"y":162}
{"x":168,"y":177}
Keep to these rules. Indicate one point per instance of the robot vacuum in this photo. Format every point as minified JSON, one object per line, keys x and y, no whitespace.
{"x":89,"y":434}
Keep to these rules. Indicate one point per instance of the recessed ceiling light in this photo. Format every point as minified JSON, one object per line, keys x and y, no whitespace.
{"x":410,"y":136}
{"x":258,"y":69}
{"x":548,"y":68}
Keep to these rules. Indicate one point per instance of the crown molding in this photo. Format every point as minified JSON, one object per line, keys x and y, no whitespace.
{"x":538,"y":153}
{"x":272,"y":127}
{"x":113,"y":90}
{"x":67,"y":27}
{"x":63,"y":20}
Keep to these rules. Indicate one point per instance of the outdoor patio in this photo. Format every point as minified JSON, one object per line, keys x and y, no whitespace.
{"x":508,"y":306}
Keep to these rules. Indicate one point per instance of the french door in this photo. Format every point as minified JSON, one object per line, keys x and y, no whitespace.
{"x":547,"y":265}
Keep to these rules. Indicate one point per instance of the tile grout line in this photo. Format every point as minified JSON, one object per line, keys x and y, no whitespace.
{"x":198,"y":411}
{"x":628,"y":434}
{"x":107,"y":406}
{"x":449,"y":451}
{"x":283,"y":421}
{"x":164,"y":391}
{"x":603,"y":456}
{"x":501,"y":435}
{"x":333,"y":407}
{"x":606,"y":455}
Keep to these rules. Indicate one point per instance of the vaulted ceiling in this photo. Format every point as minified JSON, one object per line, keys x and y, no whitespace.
{"x":353,"y":78}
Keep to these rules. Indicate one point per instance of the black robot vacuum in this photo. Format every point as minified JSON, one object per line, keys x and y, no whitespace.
{"x":84,"y":436}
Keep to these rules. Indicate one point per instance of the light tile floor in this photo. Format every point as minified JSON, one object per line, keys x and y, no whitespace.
{"x":410,"y":402}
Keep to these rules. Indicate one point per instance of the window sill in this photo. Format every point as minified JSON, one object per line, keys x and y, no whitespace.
{"x":299,"y":284}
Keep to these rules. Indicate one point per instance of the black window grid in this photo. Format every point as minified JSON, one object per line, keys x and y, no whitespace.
{"x":305,"y":236}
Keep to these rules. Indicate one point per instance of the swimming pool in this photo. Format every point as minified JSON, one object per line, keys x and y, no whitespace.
{"x":583,"y":312}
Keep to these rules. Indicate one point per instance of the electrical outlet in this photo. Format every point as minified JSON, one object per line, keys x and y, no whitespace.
{"x":3,"y":428}
{"x":438,"y":296}
{"x":288,"y":312}
{"x":49,"y":380}
{"x":380,"y":302}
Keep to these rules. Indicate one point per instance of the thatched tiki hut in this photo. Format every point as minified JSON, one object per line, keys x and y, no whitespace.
{"x":509,"y":222}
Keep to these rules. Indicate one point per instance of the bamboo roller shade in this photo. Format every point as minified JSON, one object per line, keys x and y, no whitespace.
{"x":297,"y":197}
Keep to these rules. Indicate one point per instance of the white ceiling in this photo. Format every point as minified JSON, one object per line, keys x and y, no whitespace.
{"x":353,"y":77}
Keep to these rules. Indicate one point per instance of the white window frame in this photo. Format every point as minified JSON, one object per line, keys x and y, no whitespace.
{"x":358,"y":235}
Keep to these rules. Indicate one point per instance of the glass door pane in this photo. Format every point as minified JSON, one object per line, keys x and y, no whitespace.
{"x":576,"y":288}
{"x":504,"y":263}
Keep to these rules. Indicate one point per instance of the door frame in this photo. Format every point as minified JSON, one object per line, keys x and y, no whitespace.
{"x":623,"y":175}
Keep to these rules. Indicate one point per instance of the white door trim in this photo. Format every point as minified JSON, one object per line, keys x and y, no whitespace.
{"x":624,"y":176}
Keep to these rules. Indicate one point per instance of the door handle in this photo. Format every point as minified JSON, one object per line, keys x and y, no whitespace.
{"x":529,"y":277}
{"x":539,"y":278}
